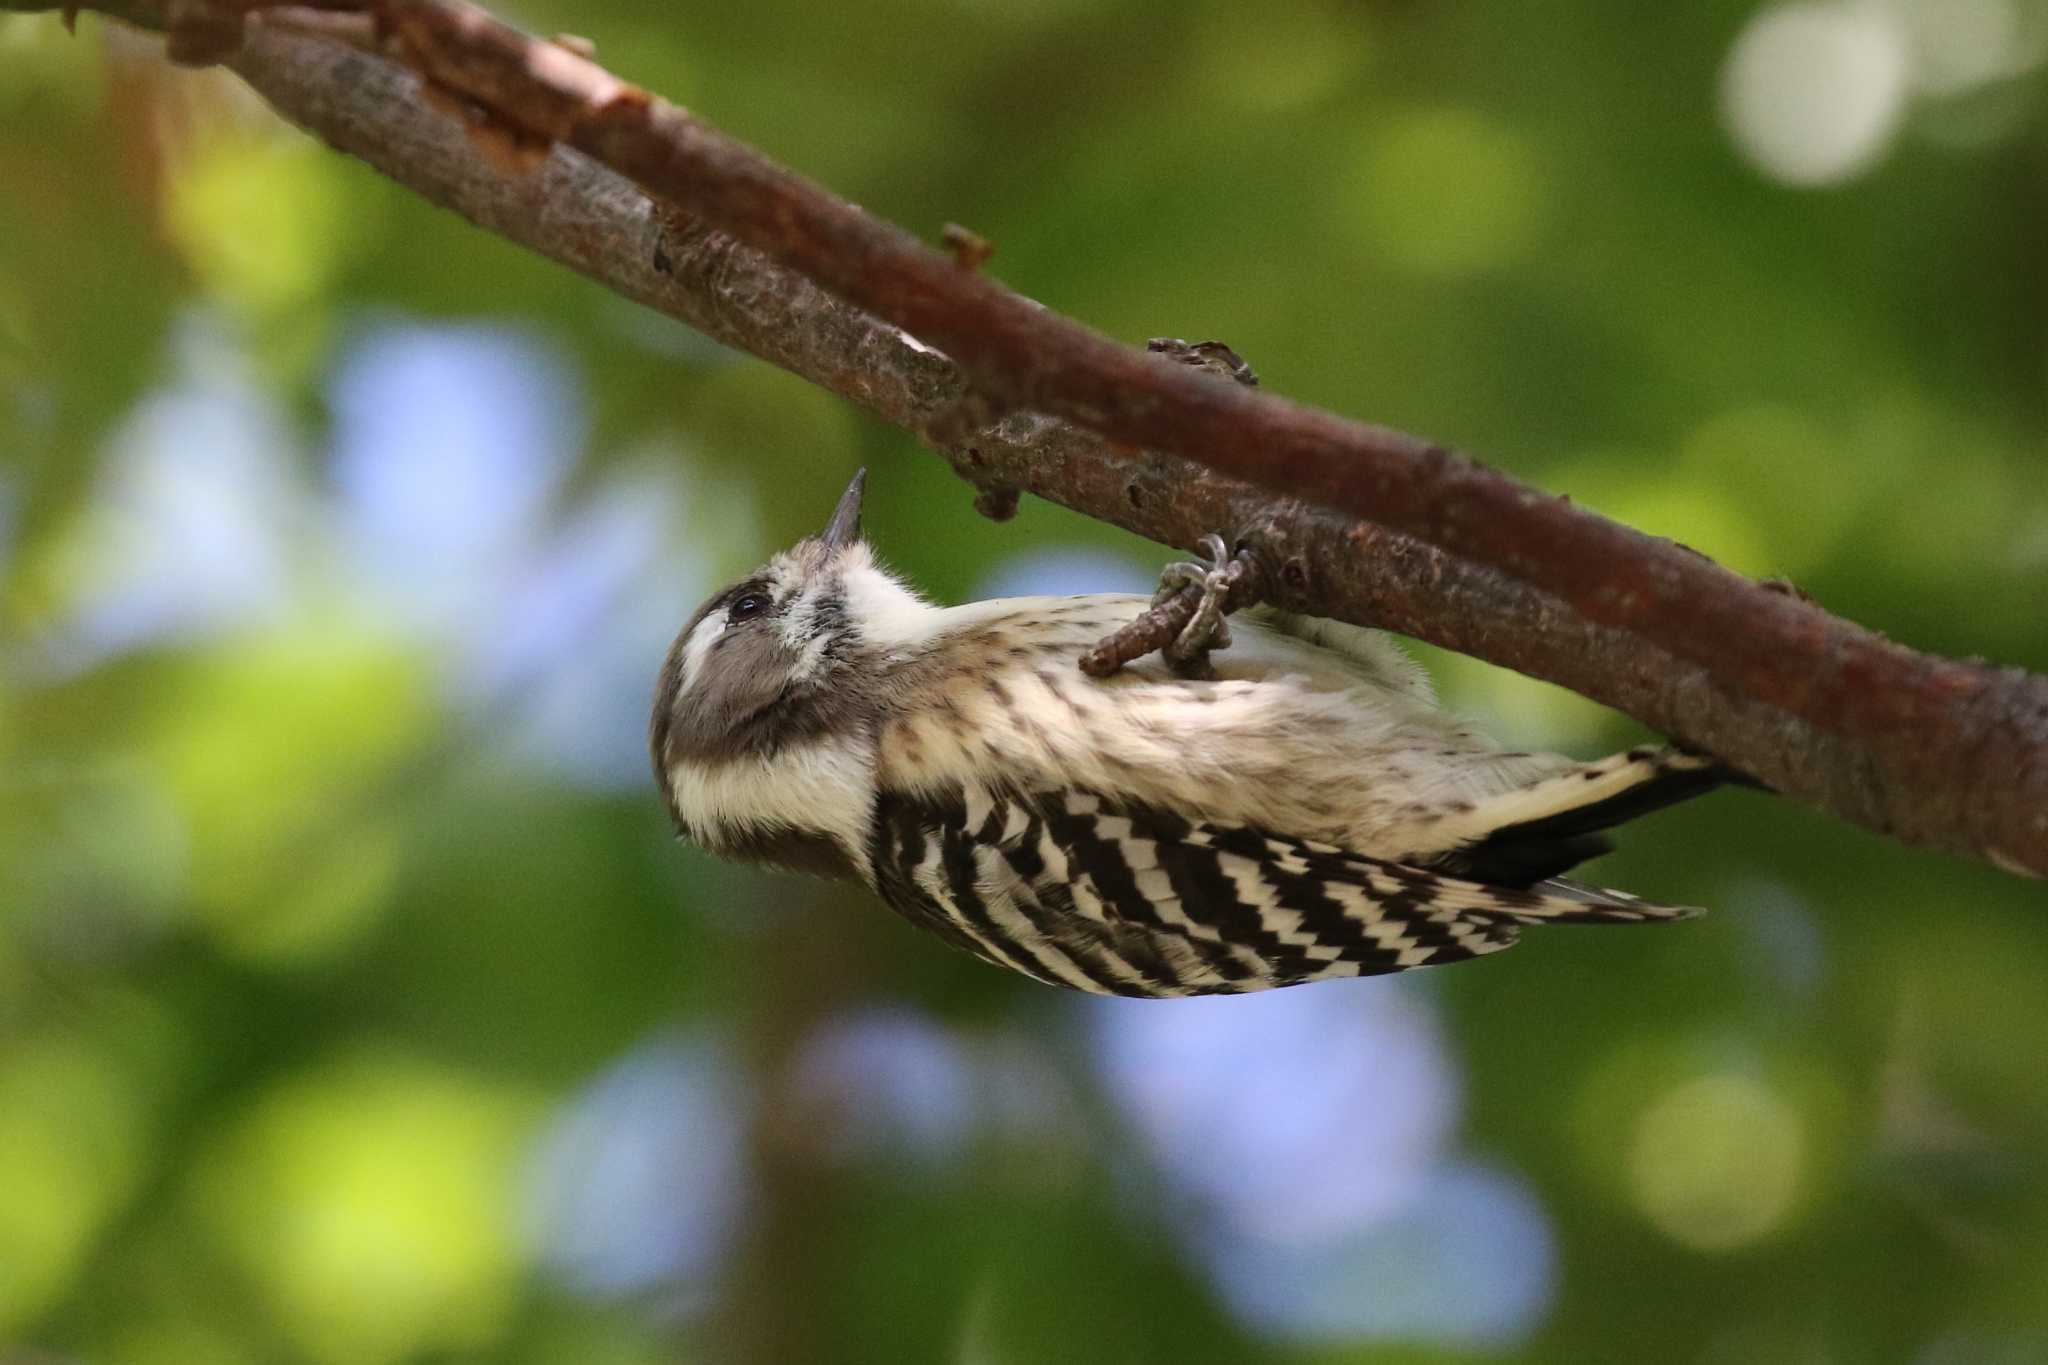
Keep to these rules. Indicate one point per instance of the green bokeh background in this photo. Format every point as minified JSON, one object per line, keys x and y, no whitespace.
{"x":303,"y":953}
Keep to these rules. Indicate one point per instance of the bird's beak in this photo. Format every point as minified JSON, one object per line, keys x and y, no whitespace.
{"x":844,"y":528}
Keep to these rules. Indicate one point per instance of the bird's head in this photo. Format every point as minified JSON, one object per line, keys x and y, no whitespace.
{"x":775,"y":659}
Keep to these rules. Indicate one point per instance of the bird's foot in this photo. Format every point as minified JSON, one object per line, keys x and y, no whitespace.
{"x":1214,"y":581}
{"x":1185,"y":621}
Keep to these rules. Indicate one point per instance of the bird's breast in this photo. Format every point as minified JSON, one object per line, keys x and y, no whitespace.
{"x":807,"y":806}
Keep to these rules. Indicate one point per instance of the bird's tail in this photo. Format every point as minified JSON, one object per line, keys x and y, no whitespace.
{"x":1501,"y":909}
{"x":1531,"y":834}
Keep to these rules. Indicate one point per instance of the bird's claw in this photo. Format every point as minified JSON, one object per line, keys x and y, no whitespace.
{"x":1185,"y":620}
{"x":1220,"y":574}
{"x":1225,"y":580}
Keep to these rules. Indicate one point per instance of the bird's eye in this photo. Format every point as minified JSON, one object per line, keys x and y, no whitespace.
{"x":746,"y":607}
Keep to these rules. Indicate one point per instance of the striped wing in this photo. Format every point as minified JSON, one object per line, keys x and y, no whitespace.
{"x":1130,"y":900}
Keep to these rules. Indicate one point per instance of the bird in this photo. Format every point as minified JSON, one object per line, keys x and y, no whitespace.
{"x":1305,"y":811}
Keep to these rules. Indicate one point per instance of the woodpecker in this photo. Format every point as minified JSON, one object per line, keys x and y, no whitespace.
{"x":1306,"y":811}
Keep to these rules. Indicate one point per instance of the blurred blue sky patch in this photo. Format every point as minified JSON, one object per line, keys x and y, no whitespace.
{"x":640,"y":1180}
{"x":1311,"y":1136}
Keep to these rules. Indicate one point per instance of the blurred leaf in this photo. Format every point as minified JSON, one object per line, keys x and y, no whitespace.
{"x":263,"y":222}
{"x":1445,"y":192}
{"x":313,"y":720}
{"x":366,"y":1201}
{"x":74,"y":1145}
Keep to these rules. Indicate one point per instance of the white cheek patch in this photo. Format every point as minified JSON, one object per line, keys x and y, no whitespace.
{"x":698,"y":647}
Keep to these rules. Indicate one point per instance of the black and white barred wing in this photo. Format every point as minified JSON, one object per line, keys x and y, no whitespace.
{"x":1121,"y":899}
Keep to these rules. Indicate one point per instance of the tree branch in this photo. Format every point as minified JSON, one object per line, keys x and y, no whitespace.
{"x":1930,"y":750}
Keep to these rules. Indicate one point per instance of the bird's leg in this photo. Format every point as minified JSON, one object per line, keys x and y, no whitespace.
{"x":1185,"y":621}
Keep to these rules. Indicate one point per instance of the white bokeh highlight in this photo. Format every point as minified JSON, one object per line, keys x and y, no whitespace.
{"x":1960,"y":45}
{"x":1814,"y":93}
